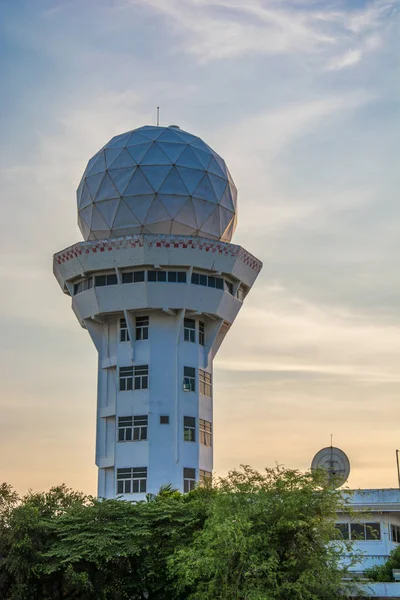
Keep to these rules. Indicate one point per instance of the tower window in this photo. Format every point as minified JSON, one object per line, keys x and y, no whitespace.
{"x":205,"y":386}
{"x":132,"y":481}
{"x":125,"y":379}
{"x":133,"y":276}
{"x":164,"y":419}
{"x":132,"y":429}
{"x":205,"y":477}
{"x":142,"y":328}
{"x":201,"y":333}
{"x":189,"y":480}
{"x":141,"y":377}
{"x":123,"y":331}
{"x":205,"y":432}
{"x":189,"y":429}
{"x":229,"y":287}
{"x":189,"y":379}
{"x":189,"y":329}
{"x":138,"y":276}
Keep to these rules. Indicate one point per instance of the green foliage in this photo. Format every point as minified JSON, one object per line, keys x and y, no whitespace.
{"x":267,"y":537}
{"x":384,"y":572}
{"x":251,"y":536}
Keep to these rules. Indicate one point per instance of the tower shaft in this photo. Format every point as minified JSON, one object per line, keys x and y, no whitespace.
{"x":157,"y":309}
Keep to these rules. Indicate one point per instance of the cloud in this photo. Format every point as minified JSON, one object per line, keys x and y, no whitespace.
{"x":230,"y":29}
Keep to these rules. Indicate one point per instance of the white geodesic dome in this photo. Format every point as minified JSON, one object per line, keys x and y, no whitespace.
{"x":157,"y":180}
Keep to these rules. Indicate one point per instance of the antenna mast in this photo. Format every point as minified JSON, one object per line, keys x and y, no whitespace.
{"x":158,"y":116}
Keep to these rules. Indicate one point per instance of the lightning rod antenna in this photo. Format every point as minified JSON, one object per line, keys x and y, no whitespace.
{"x":158,"y":116}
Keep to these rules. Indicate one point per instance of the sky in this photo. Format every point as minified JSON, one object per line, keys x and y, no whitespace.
{"x":301,"y":98}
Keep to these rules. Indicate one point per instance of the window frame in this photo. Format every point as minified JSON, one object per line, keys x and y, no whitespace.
{"x":125,"y":377}
{"x":128,"y":477}
{"x":205,"y":432}
{"x":189,"y":479}
{"x":123,"y":330}
{"x":141,"y":377}
{"x":205,"y":383}
{"x":189,"y":381}
{"x":135,"y":428}
{"x":142,"y":328}
{"x":189,"y":429}
{"x":189,"y":330}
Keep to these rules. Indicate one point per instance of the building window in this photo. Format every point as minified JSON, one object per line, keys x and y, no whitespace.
{"x":189,"y":328}
{"x":125,"y":379}
{"x":189,"y":480}
{"x":208,"y":280}
{"x":189,"y":379}
{"x":83,"y":285}
{"x":228,"y":286}
{"x":142,"y":328}
{"x":395,"y":533}
{"x":204,"y":383}
{"x":132,"y":481}
{"x":123,"y":331}
{"x":164,"y":419}
{"x":205,"y":432}
{"x":102,"y":280}
{"x":133,"y":277}
{"x":205,"y":477}
{"x":132,"y":429}
{"x":170,"y":276}
{"x":359,"y":531}
{"x":141,"y":377}
{"x":240,"y":293}
{"x":201,"y":333}
{"x":189,"y":429}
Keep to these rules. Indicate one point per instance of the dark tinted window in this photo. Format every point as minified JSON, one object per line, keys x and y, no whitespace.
{"x":195,"y":278}
{"x":357,"y":531}
{"x":219,"y":283}
{"x":181,"y":277}
{"x":172,"y":276}
{"x":211,"y":281}
{"x":203,"y":279}
{"x":373,"y":531}
{"x":152,"y":276}
{"x":164,"y":419}
{"x":112,"y":279}
{"x":161,"y":276}
{"x":138,"y":276}
{"x":127,"y":277}
{"x":100,"y":280}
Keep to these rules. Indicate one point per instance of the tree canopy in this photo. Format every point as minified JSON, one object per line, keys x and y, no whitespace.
{"x":250,"y":536}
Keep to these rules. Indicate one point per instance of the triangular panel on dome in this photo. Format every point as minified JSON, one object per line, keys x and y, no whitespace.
{"x":155,"y":174}
{"x":189,"y":159}
{"x":150,"y":131}
{"x":98,"y":223}
{"x":79,"y":189}
{"x":136,"y":139}
{"x":157,"y":213}
{"x":111,"y":155}
{"x":138,"y":185}
{"x":137,"y":152}
{"x":139,"y":205}
{"x":93,"y":182}
{"x":120,"y":141}
{"x":172,"y":149}
{"x":225,"y":217}
{"x":234,"y":193}
{"x":86,"y":198}
{"x":228,"y":233}
{"x":180,"y":229}
{"x":227,"y":200}
{"x":98,"y":166}
{"x":86,"y":214}
{"x":121,"y":178}
{"x":184,"y":135}
{"x":216,"y":168}
{"x":121,"y":231}
{"x":85,"y":230}
{"x":212,"y":225}
{"x":169,"y":135}
{"x":92,"y":161}
{"x":200,"y":145}
{"x":205,"y":190}
{"x":107,"y":189}
{"x":124,"y":218}
{"x":190,"y":177}
{"x":203,"y":210}
{"x":157,"y":228}
{"x":219,"y":184}
{"x":186,"y":215}
{"x":230,"y":176}
{"x":123,"y":160}
{"x":171,"y":203}
{"x":203,"y":156}
{"x":173,"y":184}
{"x":155,"y":156}
{"x":107,"y":209}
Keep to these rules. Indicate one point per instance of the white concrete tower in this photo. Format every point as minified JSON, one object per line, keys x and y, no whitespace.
{"x":157,"y":285}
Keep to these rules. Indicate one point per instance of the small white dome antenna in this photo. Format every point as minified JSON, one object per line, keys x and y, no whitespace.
{"x":334,"y":462}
